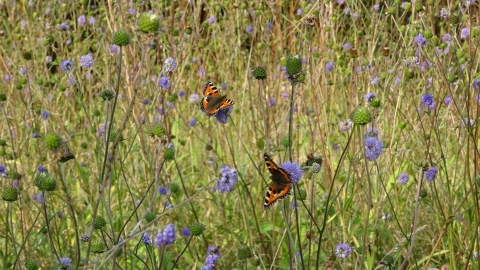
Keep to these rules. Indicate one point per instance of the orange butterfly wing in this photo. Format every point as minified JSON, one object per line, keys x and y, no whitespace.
{"x":212,"y":103}
{"x":281,"y":183}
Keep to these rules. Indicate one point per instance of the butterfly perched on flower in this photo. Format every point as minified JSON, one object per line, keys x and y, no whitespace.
{"x":281,"y":183}
{"x":213,"y":101}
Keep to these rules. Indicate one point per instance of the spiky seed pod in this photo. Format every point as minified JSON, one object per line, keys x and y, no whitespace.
{"x":149,"y":217}
{"x":361,"y":116}
{"x":52,"y":141}
{"x":259,"y":73}
{"x":99,"y":223}
{"x":121,"y":38}
{"x":148,"y":23}
{"x":10,"y":193}
{"x":197,"y":228}
{"x":244,"y":252}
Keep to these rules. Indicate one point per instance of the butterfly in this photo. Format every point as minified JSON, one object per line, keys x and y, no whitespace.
{"x":281,"y":183}
{"x":213,"y":102}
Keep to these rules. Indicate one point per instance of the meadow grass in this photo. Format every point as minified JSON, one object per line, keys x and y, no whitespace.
{"x":369,"y":108}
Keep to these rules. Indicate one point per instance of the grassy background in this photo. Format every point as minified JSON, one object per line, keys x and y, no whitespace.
{"x":351,"y":200}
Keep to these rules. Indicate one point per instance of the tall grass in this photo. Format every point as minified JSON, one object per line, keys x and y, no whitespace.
{"x":158,"y":184}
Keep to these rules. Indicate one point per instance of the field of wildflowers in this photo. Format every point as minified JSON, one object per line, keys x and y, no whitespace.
{"x":223,"y":134}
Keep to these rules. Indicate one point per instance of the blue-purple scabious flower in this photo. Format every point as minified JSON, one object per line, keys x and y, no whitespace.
{"x":464,"y":33}
{"x":346,"y":125}
{"x":428,"y":101}
{"x":343,"y":250}
{"x":65,"y":262}
{"x":476,"y":84}
{"x":146,"y":239}
{"x":329,"y":66}
{"x":403,"y":178}
{"x":212,"y":20}
{"x":163,"y":190}
{"x":170,"y":64}
{"x":222,"y":114}
{"x":186,"y":232}
{"x":193,"y":98}
{"x":430,"y":174}
{"x":192,"y":122}
{"x":420,"y":40}
{"x":81,"y":20}
{"x":212,"y":258}
{"x":294,"y":170}
{"x":66,"y":66}
{"x":249,"y":29}
{"x":167,"y":237}
{"x":86,"y":61}
{"x":45,"y":114}
{"x":369,"y":97}
{"x":468,"y":122}
{"x":228,"y":179}
{"x":373,"y":148}
{"x":164,"y":82}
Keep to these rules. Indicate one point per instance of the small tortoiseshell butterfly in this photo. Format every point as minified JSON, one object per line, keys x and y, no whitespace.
{"x":213,"y":102}
{"x":281,"y":183}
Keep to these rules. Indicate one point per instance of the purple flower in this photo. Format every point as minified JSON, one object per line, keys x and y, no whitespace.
{"x":369,"y":97}
{"x":299,"y":12}
{"x":212,"y":258}
{"x":71,"y":81}
{"x":373,"y":148}
{"x":192,"y":122}
{"x":212,"y":20}
{"x":447,"y":100}
{"x":163,"y":190}
{"x":249,"y":29}
{"x":374,"y":80}
{"x":35,"y":135}
{"x":92,"y":20}
{"x":164,"y":82}
{"x":168,"y":205}
{"x":167,"y":237}
{"x":342,"y":250}
{"x":45,"y":114}
{"x":420,"y":40}
{"x":186,"y":232}
{"x":113,"y":49}
{"x":376,"y":7}
{"x":193,"y":98}
{"x":403,"y":178}
{"x":443,"y":13}
{"x":346,"y":125}
{"x":145,"y":101}
{"x":222,"y":114}
{"x":428,"y":101}
{"x":228,"y":179}
{"x":65,"y":262}
{"x":464,"y":33}
{"x":40,"y":198}
{"x":146,"y":239}
{"x":23,"y":71}
{"x":476,"y":84}
{"x":329,"y":66}
{"x":271,"y":102}
{"x":224,"y":86}
{"x":181,"y":93}
{"x":294,"y":170}
{"x":447,"y":38}
{"x":170,"y":64}
{"x":86,"y":61}
{"x":347,"y":46}
{"x":64,"y":26}
{"x":430,"y":174}
{"x":66,"y":66}
{"x":356,"y":15}
{"x":81,"y":20}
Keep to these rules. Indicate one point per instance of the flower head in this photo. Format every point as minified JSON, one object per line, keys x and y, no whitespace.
{"x":167,"y":237}
{"x":249,"y":29}
{"x":192,"y":122}
{"x":346,"y":125}
{"x":45,"y":114}
{"x":86,"y":61}
{"x":212,"y":20}
{"x":193,"y":98}
{"x":447,"y":100}
{"x":212,"y":258}
{"x":430,"y":174}
{"x":329,"y":66}
{"x":81,"y":20}
{"x":222,"y":114}
{"x":420,"y":40}
{"x":468,"y":122}
{"x":369,"y":97}
{"x":228,"y":179}
{"x":164,"y":82}
{"x":92,"y":20}
{"x":403,"y":178}
{"x":373,"y":148}
{"x":428,"y":101}
{"x":343,"y":250}
{"x":476,"y":84}
{"x":294,"y":170}
{"x":163,"y":190}
{"x":65,"y":262}
{"x":66,"y":66}
{"x":443,"y":13}
{"x":146,"y":239}
{"x":170,"y":64}
{"x":186,"y":232}
{"x":464,"y":33}
{"x":271,"y":102}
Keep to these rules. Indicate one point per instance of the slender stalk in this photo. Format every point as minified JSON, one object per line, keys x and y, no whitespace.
{"x":183,"y":251}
